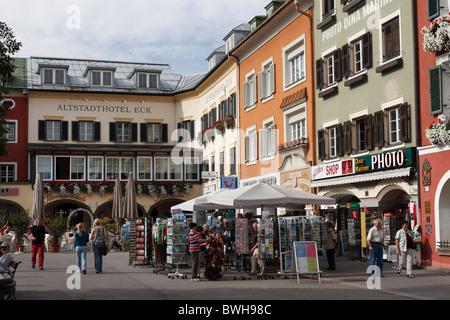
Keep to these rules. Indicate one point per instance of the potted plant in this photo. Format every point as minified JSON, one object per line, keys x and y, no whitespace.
{"x":56,"y":227}
{"x":436,"y":37}
{"x":20,"y":222}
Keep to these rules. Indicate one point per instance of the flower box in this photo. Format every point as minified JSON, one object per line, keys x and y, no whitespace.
{"x":436,"y":37}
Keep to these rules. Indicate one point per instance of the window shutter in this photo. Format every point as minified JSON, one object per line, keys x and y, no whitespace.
{"x":233,"y":104}
{"x":42,"y":132}
{"x":273,"y":145}
{"x":435,"y":82}
{"x":345,"y":56}
{"x":164,"y":132}
{"x":378,"y":129}
{"x":214,"y":115}
{"x":179,"y":132}
{"x":192,"y":129}
{"x":391,"y":39}
{"x":134,"y":132}
{"x":272,"y":79}
{"x":321,"y":144}
{"x":261,"y":84}
{"x":337,"y":65}
{"x":221,"y":111}
{"x":387,"y":41}
{"x":144,"y":132}
{"x":339,"y":140}
{"x":112,"y":132}
{"x":253,"y":83}
{"x":246,"y":145}
{"x":367,"y":50}
{"x":64,"y":130}
{"x":263,"y":145}
{"x":405,"y":122}
{"x":368,"y":132}
{"x":319,"y":74}
{"x":245,"y":95}
{"x":433,"y":9}
{"x":347,"y":137}
{"x":97,"y":131}
{"x":75,"y":131}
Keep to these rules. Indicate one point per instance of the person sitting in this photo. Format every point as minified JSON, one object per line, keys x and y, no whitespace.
{"x":7,"y":258}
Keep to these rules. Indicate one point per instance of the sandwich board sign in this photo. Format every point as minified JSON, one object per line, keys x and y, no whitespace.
{"x":305,"y":259}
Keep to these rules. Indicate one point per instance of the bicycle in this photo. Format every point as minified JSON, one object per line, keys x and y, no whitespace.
{"x":114,"y":241}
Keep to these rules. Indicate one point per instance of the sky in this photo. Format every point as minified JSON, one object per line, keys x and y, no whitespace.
{"x":180,"y":33}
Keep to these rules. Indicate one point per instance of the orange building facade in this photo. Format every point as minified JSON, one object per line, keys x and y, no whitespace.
{"x":276,"y":113}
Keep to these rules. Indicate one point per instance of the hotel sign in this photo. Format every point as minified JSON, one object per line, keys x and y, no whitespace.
{"x":100,"y":108}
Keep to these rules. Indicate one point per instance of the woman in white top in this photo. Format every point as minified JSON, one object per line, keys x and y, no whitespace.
{"x":404,"y":243}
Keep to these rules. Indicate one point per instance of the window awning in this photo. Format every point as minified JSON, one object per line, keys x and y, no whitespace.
{"x":388,"y":174}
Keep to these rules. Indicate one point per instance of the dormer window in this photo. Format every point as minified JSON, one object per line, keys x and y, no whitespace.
{"x":101,"y":78}
{"x":53,"y":76}
{"x":147,"y":80}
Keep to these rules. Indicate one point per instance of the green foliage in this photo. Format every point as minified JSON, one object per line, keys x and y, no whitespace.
{"x":56,"y":225}
{"x":108,"y":224}
{"x":8,"y":47}
{"x":19,"y":221}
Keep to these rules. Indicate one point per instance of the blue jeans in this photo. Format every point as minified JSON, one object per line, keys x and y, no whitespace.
{"x":98,"y":257}
{"x":376,"y":254}
{"x":81,"y":257}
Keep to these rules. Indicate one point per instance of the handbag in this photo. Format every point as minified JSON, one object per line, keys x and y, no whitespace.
{"x":104,"y":249}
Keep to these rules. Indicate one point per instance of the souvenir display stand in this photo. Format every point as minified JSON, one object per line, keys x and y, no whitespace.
{"x":177,"y":243}
{"x":241,"y":246}
{"x":229,"y":240}
{"x":290,"y":230}
{"x":354,"y":237}
{"x":266,"y":241}
{"x":159,"y":244}
{"x":140,"y":242}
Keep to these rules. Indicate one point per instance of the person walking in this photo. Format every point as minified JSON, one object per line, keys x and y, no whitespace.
{"x":81,"y":239}
{"x":330,"y":244}
{"x":37,"y":243}
{"x":375,"y":240}
{"x":404,"y":244}
{"x":98,"y":236}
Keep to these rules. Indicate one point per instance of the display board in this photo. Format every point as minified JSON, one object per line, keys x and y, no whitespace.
{"x":140,"y":240}
{"x":344,"y":242}
{"x":305,"y":258}
{"x":241,"y":236}
{"x":265,"y":239}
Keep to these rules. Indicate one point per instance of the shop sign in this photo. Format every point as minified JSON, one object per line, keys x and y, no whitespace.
{"x":273,"y":179}
{"x":386,"y":160}
{"x":426,"y":173}
{"x":332,"y":170}
{"x":228,"y":182}
{"x":349,"y":205}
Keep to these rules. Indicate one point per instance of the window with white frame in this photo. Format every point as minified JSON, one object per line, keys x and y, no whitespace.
{"x":297,"y":129}
{"x":251,"y":145}
{"x":294,"y":62}
{"x":44,"y":166}
{"x":166,"y":169}
{"x":328,"y":8}
{"x":394,"y":125}
{"x":53,"y":130}
{"x":358,"y":64}
{"x":267,"y":80}
{"x":53,"y":76}
{"x":119,"y":168}
{"x":191,"y":168}
{"x":11,"y":127}
{"x":101,"y":78}
{"x":267,"y":139}
{"x":148,"y":80}
{"x":95,"y":168}
{"x":123,"y":133}
{"x":69,"y":168}
{"x":154,"y":132}
{"x":332,"y":142}
{"x":86,"y":131}
{"x":144,"y":168}
{"x":295,"y":122}
{"x":329,"y":70}
{"x":7,"y":172}
{"x":249,"y":90}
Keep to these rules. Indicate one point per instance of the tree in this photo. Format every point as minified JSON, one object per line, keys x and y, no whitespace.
{"x":8,"y":47}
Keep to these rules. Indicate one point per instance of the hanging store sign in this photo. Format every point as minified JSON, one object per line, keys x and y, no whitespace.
{"x":386,"y":160}
{"x":228,"y":183}
{"x":332,"y":170}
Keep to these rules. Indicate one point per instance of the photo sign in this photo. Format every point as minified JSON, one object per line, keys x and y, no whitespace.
{"x":306,"y":260}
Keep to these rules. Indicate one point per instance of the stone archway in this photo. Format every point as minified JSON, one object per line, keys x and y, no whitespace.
{"x":84,"y":210}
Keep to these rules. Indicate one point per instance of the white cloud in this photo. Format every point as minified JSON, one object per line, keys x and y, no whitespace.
{"x":178,"y":32}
